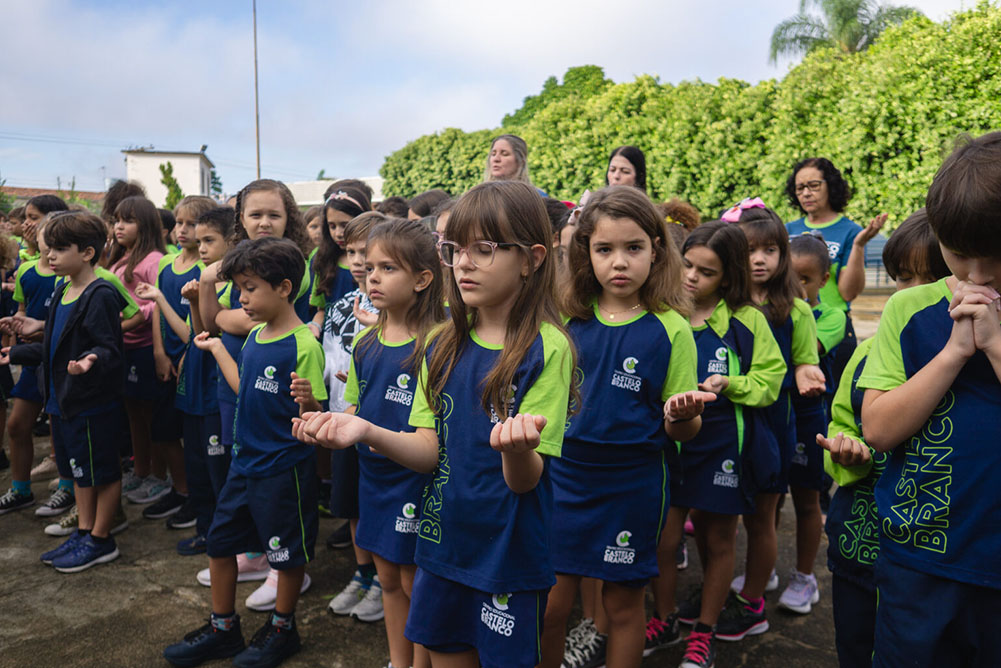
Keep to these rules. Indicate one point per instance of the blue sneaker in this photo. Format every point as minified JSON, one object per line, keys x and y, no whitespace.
{"x":85,"y":553}
{"x":269,"y":647}
{"x":194,"y":545}
{"x":48,"y":557}
{"x":205,"y":644}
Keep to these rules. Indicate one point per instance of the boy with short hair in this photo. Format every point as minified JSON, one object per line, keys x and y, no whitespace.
{"x":269,"y":501}
{"x":83,"y":374}
{"x":933,"y":399}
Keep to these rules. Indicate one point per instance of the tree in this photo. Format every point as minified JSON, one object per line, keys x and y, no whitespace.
{"x":6,"y":201}
{"x":321,"y":175}
{"x":215,"y":183}
{"x":174,"y":193}
{"x":850,"y":26}
{"x":583,"y":81}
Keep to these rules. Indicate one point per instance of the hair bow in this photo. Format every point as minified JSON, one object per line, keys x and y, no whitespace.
{"x":732,"y":215}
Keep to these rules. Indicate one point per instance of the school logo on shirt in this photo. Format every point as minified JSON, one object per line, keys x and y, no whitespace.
{"x":185,"y":301}
{"x":276,"y":553}
{"x":215,"y":447}
{"x":267,"y":382}
{"x":726,"y":477}
{"x":77,"y":471}
{"x":495,"y":616}
{"x":719,"y":365}
{"x":620,"y":553}
{"x":133,"y":374}
{"x":799,"y":457}
{"x":626,"y":379}
{"x":269,"y":372}
{"x":400,"y":393}
{"x":407,"y":522}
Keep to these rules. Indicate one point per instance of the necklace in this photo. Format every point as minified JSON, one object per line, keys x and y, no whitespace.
{"x":611,"y":314}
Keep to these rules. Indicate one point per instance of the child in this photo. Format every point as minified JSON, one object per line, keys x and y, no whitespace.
{"x":911,"y":257}
{"x":404,"y":281}
{"x":740,"y":361}
{"x":627,"y":317}
{"x":314,"y":231}
{"x":483,"y":538}
{"x":269,"y":499}
{"x":777,"y":291}
{"x":169,"y":222}
{"x":83,"y":378}
{"x":932,"y":399}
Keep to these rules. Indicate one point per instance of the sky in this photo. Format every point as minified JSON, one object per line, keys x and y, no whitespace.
{"x":342,"y":85}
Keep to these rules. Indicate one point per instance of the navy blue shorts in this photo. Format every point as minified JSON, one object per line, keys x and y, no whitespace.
{"x":206,"y":464}
{"x":781,"y":419}
{"x":26,"y":387}
{"x":709,"y":479}
{"x":925,"y":620}
{"x":168,"y":422}
{"x":276,"y":515}
{"x":389,"y":507}
{"x":227,"y":420}
{"x":806,"y":468}
{"x":854,"y":621}
{"x":608,"y":518}
{"x":449,"y":617}
{"x":140,"y":374}
{"x":344,"y":474}
{"x":91,"y":445}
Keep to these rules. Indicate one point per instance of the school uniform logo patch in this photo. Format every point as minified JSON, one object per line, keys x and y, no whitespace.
{"x":626,"y":378}
{"x":495,"y":616}
{"x":267,"y":382}
{"x":133,"y":374}
{"x":401,"y":392}
{"x":276,"y":553}
{"x":77,"y":471}
{"x":215,"y":447}
{"x":407,"y":521}
{"x":620,"y":553}
{"x":726,"y":477}
{"x":800,"y":458}
{"x":719,"y":365}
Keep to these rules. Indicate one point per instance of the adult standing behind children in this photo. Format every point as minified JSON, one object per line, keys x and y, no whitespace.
{"x":508,"y":161}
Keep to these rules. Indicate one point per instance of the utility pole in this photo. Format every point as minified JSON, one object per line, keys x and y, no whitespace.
{"x":257,"y":108}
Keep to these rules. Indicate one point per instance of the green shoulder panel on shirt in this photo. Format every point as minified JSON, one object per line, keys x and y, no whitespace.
{"x":352,"y":390}
{"x":421,"y":413}
{"x":309,"y":361}
{"x":804,"y":334}
{"x":682,"y":370}
{"x":550,"y":394}
{"x":226,"y":297}
{"x":317,"y":298}
{"x":18,"y":288}
{"x":26,"y":256}
{"x":303,"y":285}
{"x":830,"y":325}
{"x":884,"y":369}
{"x":763,"y":381}
{"x":131,"y":308}
{"x":843,"y":419}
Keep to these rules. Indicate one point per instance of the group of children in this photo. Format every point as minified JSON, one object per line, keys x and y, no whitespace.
{"x":505,"y":425}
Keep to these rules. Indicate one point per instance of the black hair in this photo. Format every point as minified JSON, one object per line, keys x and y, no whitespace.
{"x":838,"y":191}
{"x":270,"y":259}
{"x":47,"y":204}
{"x":341,"y":184}
{"x":443,"y":206}
{"x":636,"y":159}
{"x":558,"y":212}
{"x":730,"y":245}
{"x":964,"y":200}
{"x":80,"y":228}
{"x":424,"y":204}
{"x":167,"y":219}
{"x":913,"y":249}
{"x":812,"y":243}
{"x":118,"y":191}
{"x":222,"y":219}
{"x":394,"y":207}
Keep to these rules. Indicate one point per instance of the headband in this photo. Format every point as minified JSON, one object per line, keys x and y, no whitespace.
{"x":732,"y":215}
{"x":340,"y":194}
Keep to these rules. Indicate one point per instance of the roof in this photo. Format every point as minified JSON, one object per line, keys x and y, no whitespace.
{"x":144,"y":151}
{"x":28,"y":193}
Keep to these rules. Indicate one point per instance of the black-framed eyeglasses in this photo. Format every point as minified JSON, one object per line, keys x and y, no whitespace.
{"x":812,"y":186}
{"x":481,"y":253}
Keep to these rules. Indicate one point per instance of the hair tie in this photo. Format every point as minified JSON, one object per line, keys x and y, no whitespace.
{"x":732,"y":215}
{"x":340,"y":194}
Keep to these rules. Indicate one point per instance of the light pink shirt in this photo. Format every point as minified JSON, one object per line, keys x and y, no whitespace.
{"x":145,"y":272}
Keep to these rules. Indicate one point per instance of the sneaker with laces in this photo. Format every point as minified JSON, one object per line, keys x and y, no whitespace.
{"x":691,"y":607}
{"x":206,"y":643}
{"x":130,"y":481}
{"x":12,"y":501}
{"x":700,"y":651}
{"x":149,"y":490}
{"x":583,"y":627}
{"x":67,"y":545}
{"x":65,"y":526}
{"x":269,"y":647}
{"x":681,"y":558}
{"x":45,"y":469}
{"x":248,"y":569}
{"x":737,"y":585}
{"x":60,"y":501}
{"x":86,"y":552}
{"x":585,"y":647}
{"x":739,"y":620}
{"x":189,"y":547}
{"x":369,"y":608}
{"x":185,"y":518}
{"x":349,"y":597}
{"x":263,"y":598}
{"x":800,"y":594}
{"x":661,"y":634}
{"x":165,"y":506}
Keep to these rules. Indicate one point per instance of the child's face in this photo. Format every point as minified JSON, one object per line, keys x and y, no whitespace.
{"x":355,"y":253}
{"x":264,"y":215}
{"x":391,"y":285}
{"x":908,"y":279}
{"x":703,"y":274}
{"x":211,"y":244}
{"x":314,"y":228}
{"x":486,"y":283}
{"x":336,"y":220}
{"x":764,"y":262}
{"x":17,"y":226}
{"x":69,"y":260}
{"x":977,"y":270}
{"x":621,"y":256}
{"x":184,"y":231}
{"x":126,"y":232}
{"x":260,"y":300}
{"x":807,"y":269}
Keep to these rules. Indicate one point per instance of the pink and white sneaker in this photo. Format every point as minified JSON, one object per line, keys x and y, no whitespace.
{"x":249,"y":569}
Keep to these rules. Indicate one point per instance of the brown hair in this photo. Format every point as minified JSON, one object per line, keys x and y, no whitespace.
{"x":358,"y":228}
{"x":118,"y":191}
{"x":520,"y":150}
{"x":348,"y":200}
{"x":663,"y":287}
{"x":763,"y":227}
{"x":295,"y":228}
{"x":730,"y":245}
{"x":505,"y":212}
{"x":80,"y":228}
{"x":677,"y":211}
{"x":149,"y":238}
{"x":197,"y":204}
{"x":913,"y":248}
{"x":425,"y":203}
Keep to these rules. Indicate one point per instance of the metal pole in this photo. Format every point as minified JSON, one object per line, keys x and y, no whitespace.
{"x":257,"y":108}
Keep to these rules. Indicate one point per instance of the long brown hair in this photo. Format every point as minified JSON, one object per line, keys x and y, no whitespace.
{"x":348,"y":200}
{"x":663,"y":287}
{"x":505,"y":212}
{"x":295,"y":228}
{"x":730,"y":245}
{"x":149,"y":238}
{"x":763,"y":227}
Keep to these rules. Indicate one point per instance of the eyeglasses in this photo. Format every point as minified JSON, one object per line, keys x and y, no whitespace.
{"x":812,"y":186}
{"x":481,"y":253}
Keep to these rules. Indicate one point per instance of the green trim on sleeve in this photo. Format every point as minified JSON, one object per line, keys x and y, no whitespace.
{"x":804,"y":334}
{"x":226,"y":296}
{"x":309,"y":361}
{"x":317,"y":299}
{"x":351,"y":392}
{"x":18,"y":288}
{"x":421,"y":414}
{"x":763,"y":381}
{"x":830,"y":326}
{"x":550,"y":394}
{"x":843,"y":419}
{"x":131,"y":308}
{"x":682,"y":369}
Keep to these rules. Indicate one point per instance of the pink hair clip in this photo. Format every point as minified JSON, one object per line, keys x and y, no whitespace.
{"x":732,"y":215}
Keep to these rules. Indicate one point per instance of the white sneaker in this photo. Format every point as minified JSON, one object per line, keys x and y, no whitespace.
{"x":248,"y":569}
{"x":130,"y":481}
{"x":369,"y":608}
{"x":263,"y":598}
{"x":801,"y":593}
{"x":65,"y":526}
{"x":45,"y":469}
{"x":151,"y":489}
{"x":737,"y":585}
{"x":350,"y":596}
{"x":60,"y":501}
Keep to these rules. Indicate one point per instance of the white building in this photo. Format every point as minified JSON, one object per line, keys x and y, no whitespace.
{"x":192,"y":170}
{"x":310,"y":193}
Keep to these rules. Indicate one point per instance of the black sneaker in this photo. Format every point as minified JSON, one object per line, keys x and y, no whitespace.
{"x":192,"y":546}
{"x":59,"y":502}
{"x":661,"y":634}
{"x":12,"y":501}
{"x":41,"y":426}
{"x":691,"y":607}
{"x":167,"y":505}
{"x":4,"y":462}
{"x":205,"y":644}
{"x":585,"y":647}
{"x":340,"y":538}
{"x":700,"y":651}
{"x":269,"y":647}
{"x":185,"y":518}
{"x":738,"y":620}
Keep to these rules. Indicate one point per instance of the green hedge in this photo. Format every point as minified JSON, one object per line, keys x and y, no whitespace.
{"x":886,"y":117}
